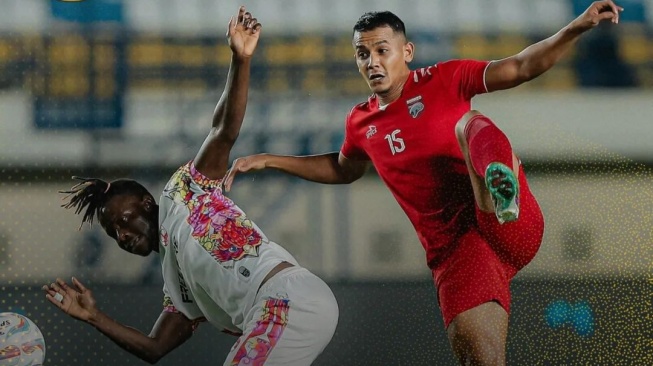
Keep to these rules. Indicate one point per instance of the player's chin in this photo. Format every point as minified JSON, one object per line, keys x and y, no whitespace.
{"x":142,"y":249}
{"x":377,"y":86}
{"x":143,"y":252}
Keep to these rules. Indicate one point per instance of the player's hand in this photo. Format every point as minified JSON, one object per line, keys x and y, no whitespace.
{"x":77,"y":302}
{"x":243,"y":34}
{"x":597,"y":12}
{"x":243,"y":165}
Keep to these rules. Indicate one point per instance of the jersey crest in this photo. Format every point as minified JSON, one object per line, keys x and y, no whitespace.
{"x":415,"y":106}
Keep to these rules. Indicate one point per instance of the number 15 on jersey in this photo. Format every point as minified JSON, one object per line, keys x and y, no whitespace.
{"x":396,"y":143}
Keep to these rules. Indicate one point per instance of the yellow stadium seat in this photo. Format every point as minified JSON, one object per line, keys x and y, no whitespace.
{"x":314,"y":80}
{"x":341,"y":50}
{"x":311,"y":49}
{"x":222,"y":54}
{"x":7,"y":51}
{"x":105,"y":87}
{"x":509,"y":44}
{"x":70,"y":50}
{"x":146,"y":53}
{"x":187,"y":55}
{"x":349,"y":85}
{"x":305,"y":50}
{"x":473,"y":46}
{"x":104,"y":57}
{"x":277,"y":81}
{"x":635,"y":48}
{"x":561,"y":77}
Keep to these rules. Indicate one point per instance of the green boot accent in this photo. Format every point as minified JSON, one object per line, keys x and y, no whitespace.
{"x":504,"y":189}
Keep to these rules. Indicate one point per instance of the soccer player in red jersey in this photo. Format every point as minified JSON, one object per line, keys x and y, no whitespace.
{"x":450,"y":168}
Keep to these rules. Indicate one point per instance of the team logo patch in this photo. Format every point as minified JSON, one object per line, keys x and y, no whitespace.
{"x":244,"y":271}
{"x":415,"y":106}
{"x":371,"y":132}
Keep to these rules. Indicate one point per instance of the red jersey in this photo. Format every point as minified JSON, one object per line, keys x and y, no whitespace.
{"x":413,"y":146}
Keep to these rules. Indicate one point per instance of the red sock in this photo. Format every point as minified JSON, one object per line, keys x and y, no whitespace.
{"x":487,"y":144}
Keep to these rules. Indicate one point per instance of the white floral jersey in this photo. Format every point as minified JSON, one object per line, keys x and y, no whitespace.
{"x":213,"y":257}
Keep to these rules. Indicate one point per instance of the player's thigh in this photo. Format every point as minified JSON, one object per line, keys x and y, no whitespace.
{"x":488,"y":319}
{"x":293,"y":320}
{"x":470,"y":276}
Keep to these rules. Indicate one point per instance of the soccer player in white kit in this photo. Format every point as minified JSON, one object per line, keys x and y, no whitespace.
{"x":217,"y":265}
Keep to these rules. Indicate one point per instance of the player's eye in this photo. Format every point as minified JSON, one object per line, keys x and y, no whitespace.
{"x":362,"y":55}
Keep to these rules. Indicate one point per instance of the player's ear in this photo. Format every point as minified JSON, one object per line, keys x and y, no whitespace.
{"x":148,"y":203}
{"x":409,"y":52}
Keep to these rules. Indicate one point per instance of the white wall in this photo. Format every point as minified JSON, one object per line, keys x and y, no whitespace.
{"x":340,"y":231}
{"x":592,"y":125}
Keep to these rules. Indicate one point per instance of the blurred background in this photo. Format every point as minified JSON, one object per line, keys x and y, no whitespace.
{"x":115,"y":88}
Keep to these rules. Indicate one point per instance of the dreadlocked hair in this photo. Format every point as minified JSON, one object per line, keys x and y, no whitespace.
{"x":92,"y":194}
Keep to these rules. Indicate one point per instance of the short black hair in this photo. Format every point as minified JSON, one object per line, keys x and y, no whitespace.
{"x":375,"y":19}
{"x":94,"y":193}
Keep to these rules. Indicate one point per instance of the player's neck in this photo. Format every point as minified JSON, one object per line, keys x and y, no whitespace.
{"x":389,"y":96}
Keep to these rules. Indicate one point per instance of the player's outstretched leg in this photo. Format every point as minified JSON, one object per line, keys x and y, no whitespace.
{"x":492,"y":165}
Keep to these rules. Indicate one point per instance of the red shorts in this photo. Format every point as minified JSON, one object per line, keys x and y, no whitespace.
{"x":486,"y":258}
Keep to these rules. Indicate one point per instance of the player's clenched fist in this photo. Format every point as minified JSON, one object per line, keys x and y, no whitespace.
{"x":596,"y":13}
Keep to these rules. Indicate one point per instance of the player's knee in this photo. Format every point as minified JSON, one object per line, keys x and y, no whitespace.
{"x":461,"y":125}
{"x":488,"y":353}
{"x":481,"y":351}
{"x":460,"y":130}
{"x":478,"y":336}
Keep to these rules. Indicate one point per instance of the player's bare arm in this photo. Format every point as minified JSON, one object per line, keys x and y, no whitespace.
{"x":331,"y":168}
{"x":212,"y":159}
{"x":540,"y":57}
{"x":170,"y":330}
